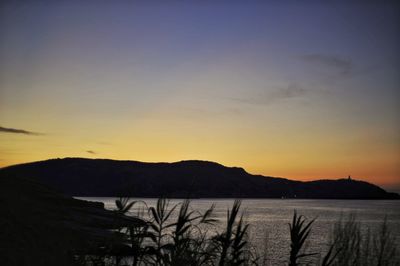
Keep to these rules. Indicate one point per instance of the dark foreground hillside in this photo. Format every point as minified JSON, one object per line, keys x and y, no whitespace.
{"x":42,"y":227}
{"x":101,"y":177}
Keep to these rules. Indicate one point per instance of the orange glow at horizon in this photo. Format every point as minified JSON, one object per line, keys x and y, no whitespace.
{"x":277,"y":156}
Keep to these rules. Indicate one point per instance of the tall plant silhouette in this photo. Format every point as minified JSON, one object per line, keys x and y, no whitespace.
{"x":158,"y":226}
{"x":354,"y":247}
{"x":135,"y":234}
{"x":232,"y":242}
{"x":239,"y":243}
{"x":299,"y":232}
{"x":384,"y":245}
{"x":187,"y":246}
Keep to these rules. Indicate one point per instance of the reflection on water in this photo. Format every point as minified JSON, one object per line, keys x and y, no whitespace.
{"x":269,"y":218}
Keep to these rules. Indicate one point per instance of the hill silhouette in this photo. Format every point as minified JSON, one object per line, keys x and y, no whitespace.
{"x":103,"y":177}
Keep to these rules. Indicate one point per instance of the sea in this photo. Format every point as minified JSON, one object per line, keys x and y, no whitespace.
{"x":269,"y":219}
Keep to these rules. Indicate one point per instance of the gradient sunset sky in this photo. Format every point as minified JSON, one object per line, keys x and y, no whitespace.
{"x":302,"y":91}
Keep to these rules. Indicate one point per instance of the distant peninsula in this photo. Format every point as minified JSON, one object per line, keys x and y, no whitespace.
{"x":185,"y":179}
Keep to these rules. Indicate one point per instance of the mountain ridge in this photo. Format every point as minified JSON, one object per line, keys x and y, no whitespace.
{"x":186,"y":178}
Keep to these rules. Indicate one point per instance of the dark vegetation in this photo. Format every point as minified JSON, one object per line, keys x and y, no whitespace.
{"x":41,"y":227}
{"x":186,"y":179}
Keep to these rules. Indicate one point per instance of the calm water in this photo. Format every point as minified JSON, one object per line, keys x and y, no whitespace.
{"x":269,"y":218}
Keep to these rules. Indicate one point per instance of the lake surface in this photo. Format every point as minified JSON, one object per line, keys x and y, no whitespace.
{"x":269,"y":219}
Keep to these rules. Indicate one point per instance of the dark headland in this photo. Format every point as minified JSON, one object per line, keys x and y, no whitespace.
{"x":194,"y":179}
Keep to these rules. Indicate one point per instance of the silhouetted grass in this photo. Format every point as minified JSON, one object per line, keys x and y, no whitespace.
{"x":299,"y":232}
{"x":352,"y":247}
{"x":186,"y":240}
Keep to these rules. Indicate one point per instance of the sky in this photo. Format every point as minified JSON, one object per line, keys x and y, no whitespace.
{"x":303,"y":91}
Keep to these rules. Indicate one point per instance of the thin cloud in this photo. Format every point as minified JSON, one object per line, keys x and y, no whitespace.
{"x":342,"y":65}
{"x":104,"y":143}
{"x":276,"y":95}
{"x":292,"y":91}
{"x":91,"y":152}
{"x":18,"y":131}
